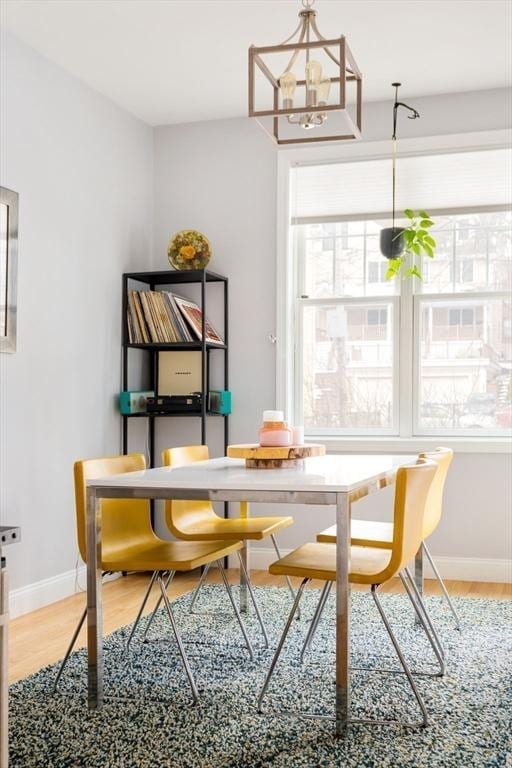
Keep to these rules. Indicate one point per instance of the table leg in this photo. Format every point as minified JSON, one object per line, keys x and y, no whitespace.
{"x":94,"y":603}
{"x":418,"y":577}
{"x":342,"y":613}
{"x":244,"y":513}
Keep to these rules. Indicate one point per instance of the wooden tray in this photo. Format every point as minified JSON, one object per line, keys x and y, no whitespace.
{"x":258,"y":457}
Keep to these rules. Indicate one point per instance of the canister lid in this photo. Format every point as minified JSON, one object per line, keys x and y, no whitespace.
{"x":273,"y":415}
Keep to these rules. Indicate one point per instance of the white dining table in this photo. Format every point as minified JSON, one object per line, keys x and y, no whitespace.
{"x":336,"y":480}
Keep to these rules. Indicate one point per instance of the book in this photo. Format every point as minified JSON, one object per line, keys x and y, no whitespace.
{"x":148,"y":316}
{"x":131,"y":331}
{"x":162,"y":331}
{"x":168,"y":329}
{"x":134,"y":334}
{"x":162,"y":317}
{"x":183,"y":329}
{"x":139,"y":313}
{"x":194,"y":317}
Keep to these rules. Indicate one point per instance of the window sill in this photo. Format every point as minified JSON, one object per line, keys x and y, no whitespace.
{"x":367,"y":444}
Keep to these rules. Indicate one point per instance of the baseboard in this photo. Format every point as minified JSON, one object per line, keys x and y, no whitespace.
{"x":459,"y":568}
{"x":41,"y":593}
{"x":472,"y":569}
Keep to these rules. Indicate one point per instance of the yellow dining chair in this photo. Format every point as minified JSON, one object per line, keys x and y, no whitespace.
{"x":197,"y":521}
{"x":129,"y":544}
{"x":366,"y":533}
{"x":372,"y":567}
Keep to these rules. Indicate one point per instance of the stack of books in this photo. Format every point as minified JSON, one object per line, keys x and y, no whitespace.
{"x":160,"y":317}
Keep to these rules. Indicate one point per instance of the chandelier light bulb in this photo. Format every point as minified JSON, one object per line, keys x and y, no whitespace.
{"x":323,"y":90}
{"x":313,"y":74}
{"x":287,"y":84}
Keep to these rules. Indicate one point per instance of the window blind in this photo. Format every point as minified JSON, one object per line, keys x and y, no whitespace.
{"x":453,"y":182}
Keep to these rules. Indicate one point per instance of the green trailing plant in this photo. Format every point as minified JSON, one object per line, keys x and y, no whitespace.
{"x":417,"y":241}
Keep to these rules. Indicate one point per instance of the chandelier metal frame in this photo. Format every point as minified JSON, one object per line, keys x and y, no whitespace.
{"x":312,"y":113}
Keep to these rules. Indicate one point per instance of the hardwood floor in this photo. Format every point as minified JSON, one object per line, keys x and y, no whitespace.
{"x":41,"y":637}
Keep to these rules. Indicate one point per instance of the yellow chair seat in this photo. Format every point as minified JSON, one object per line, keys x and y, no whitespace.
{"x":318,"y":561}
{"x":363,"y":533}
{"x":371,"y":533}
{"x":168,"y":555}
{"x":237,"y":528}
{"x":198,"y":521}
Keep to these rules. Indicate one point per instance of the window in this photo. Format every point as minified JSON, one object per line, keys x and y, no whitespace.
{"x":466,"y":271}
{"x":461,"y":316}
{"x":377,"y":317}
{"x":348,"y":364}
{"x":377,"y":271}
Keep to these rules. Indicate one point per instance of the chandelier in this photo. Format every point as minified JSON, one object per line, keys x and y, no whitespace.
{"x":298,"y":90}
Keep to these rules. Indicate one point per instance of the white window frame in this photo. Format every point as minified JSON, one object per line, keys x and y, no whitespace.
{"x":405,"y":437}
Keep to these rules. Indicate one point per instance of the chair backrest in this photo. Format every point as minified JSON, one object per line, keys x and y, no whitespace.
{"x":434,"y":507}
{"x":179,"y":515}
{"x":124,"y":522}
{"x":413,"y":483}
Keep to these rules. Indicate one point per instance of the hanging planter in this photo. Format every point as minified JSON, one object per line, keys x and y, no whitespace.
{"x":417,"y":241}
{"x":392,"y":240}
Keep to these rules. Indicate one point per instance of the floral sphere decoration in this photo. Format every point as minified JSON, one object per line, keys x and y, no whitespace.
{"x":189,"y":249}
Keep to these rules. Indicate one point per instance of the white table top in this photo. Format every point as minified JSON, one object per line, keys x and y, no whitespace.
{"x":327,"y":474}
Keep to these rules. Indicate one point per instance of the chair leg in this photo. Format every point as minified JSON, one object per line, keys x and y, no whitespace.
{"x":424,"y":721}
{"x":423,"y":608}
{"x":142,"y":606}
{"x":281,"y":643}
{"x":200,"y":584}
{"x":442,"y":585}
{"x":288,"y":580}
{"x":419,"y":614}
{"x":249,"y":587}
{"x":69,"y":649}
{"x":403,"y":662}
{"x":237,"y":614}
{"x":163,"y":589}
{"x":170,"y":577}
{"x":253,"y":597}
{"x":316,"y":618}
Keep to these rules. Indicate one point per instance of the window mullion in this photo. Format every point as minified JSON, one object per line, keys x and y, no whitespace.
{"x":299,"y":289}
{"x":298,"y":394}
{"x":365,"y":260}
{"x":407,"y":397}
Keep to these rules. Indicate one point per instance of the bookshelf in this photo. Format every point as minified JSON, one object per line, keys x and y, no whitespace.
{"x":170,"y":280}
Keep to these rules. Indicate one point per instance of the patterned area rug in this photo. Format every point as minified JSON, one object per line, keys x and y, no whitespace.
{"x":147,"y":720}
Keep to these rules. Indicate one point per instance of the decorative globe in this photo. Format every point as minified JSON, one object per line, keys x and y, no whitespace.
{"x":189,"y":249}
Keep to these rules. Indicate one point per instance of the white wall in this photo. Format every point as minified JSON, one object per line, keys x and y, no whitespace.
{"x":443,"y":114}
{"x":220,"y":177}
{"x":83,"y":170}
